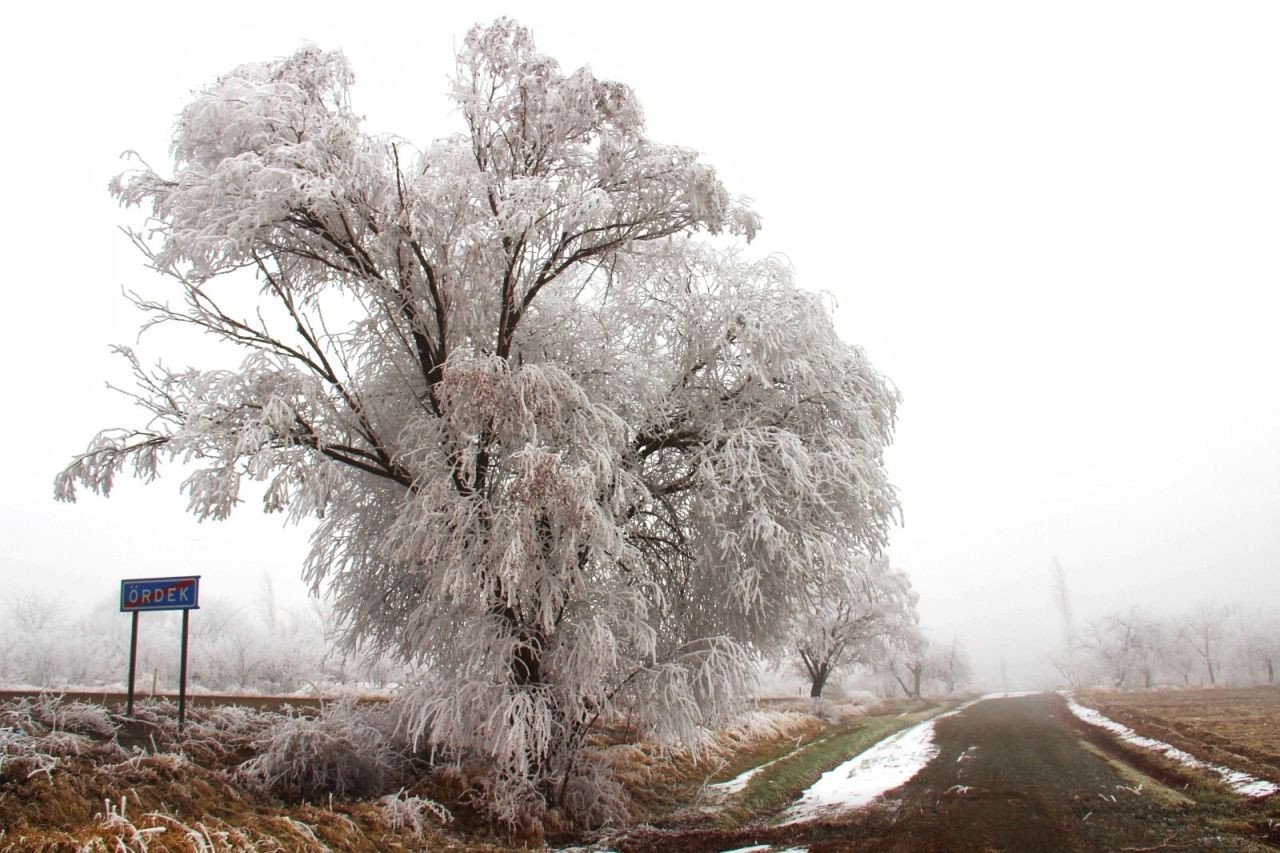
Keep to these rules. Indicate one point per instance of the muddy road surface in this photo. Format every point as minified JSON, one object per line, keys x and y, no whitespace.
{"x":1010,"y":774}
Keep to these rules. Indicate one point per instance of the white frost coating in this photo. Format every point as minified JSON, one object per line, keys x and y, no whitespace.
{"x":1238,"y":781}
{"x":566,"y":456}
{"x":890,"y":763}
{"x":1010,"y":694}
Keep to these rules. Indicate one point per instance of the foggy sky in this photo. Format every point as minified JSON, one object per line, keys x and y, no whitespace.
{"x":1053,"y":228}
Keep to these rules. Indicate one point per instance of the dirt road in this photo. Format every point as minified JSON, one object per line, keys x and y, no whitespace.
{"x":1010,"y":774}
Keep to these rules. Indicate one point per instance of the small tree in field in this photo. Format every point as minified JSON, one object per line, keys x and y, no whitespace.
{"x":1260,"y":643}
{"x":1206,"y":629}
{"x":911,"y":664}
{"x":854,"y":621}
{"x":564,"y":454}
{"x":951,"y":666}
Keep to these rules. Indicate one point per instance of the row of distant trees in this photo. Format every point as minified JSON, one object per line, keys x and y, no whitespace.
{"x":1209,"y":645}
{"x":866,"y":626}
{"x":263,"y":647}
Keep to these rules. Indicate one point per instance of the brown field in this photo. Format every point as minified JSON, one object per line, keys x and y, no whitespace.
{"x":1239,"y":727}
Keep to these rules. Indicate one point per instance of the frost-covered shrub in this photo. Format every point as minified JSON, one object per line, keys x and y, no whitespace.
{"x":83,"y":718}
{"x":21,"y":756}
{"x":405,"y":813}
{"x":36,"y":733}
{"x":592,"y":797}
{"x":340,"y":751}
{"x":224,"y":734}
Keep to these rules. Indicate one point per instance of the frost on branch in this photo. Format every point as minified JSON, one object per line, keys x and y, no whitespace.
{"x":565,"y":455}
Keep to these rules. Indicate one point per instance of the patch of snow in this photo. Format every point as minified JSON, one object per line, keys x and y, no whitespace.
{"x":966,"y":755}
{"x":886,"y":765}
{"x":737,"y":783}
{"x":755,"y":848}
{"x":1009,"y":694}
{"x":1238,"y":781}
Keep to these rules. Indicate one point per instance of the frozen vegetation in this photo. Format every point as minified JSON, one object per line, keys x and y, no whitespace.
{"x":573,"y":452}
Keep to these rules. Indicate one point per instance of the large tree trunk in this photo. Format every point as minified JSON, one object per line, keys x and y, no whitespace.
{"x":819,"y":682}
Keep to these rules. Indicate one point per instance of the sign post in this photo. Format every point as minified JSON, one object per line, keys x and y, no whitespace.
{"x":179,"y":593}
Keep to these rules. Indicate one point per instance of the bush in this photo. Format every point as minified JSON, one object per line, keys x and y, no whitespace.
{"x":341,"y":751}
{"x":404,"y":813}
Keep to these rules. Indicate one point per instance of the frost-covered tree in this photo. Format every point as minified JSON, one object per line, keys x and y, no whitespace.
{"x":911,"y":664}
{"x":1122,"y":644}
{"x":1206,"y":631}
{"x":564,"y":452}
{"x":855,"y":620}
{"x":1260,"y":643}
{"x":951,"y":666}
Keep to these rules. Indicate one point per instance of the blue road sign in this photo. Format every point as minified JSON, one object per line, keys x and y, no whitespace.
{"x":160,"y":594}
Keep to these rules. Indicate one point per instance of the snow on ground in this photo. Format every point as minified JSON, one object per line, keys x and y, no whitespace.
{"x":884,"y":766}
{"x":737,"y":783}
{"x":892,"y":762}
{"x":1241,"y":783}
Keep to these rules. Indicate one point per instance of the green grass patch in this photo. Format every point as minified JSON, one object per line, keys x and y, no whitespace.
{"x":777,"y":786}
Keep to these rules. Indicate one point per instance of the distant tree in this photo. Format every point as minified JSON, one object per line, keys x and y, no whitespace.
{"x":1260,"y":642}
{"x":1174,"y":656}
{"x":1066,"y":660}
{"x":1149,"y":652}
{"x":33,"y":634}
{"x":911,"y":663}
{"x":854,"y":620}
{"x":950,"y":665}
{"x":564,"y":455}
{"x":1125,"y":644}
{"x":1205,"y":632}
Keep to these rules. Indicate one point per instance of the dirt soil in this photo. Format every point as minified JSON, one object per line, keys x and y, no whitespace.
{"x":1239,"y":727}
{"x":1011,"y":774}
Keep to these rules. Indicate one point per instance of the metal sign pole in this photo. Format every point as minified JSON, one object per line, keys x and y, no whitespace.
{"x":182,"y":673}
{"x":174,"y":593}
{"x":133,"y":661}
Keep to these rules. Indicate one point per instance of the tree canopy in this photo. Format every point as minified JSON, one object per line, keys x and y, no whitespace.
{"x":564,"y":451}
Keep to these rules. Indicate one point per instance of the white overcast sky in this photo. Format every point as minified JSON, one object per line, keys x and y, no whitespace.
{"x":1054,"y":226}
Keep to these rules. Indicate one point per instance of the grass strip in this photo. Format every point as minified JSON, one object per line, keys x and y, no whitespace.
{"x":777,"y":786}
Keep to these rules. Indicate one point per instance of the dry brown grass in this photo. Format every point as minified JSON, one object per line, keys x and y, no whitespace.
{"x":74,"y":778}
{"x":1238,"y":727}
{"x":63,"y":790}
